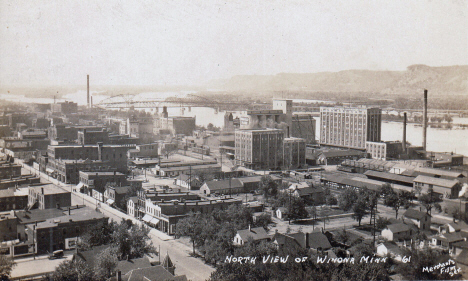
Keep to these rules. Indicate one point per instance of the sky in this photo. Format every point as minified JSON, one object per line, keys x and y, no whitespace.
{"x":159,"y":42}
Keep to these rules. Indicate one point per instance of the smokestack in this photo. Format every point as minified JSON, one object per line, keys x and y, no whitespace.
{"x":91,"y":101}
{"x":404,"y":133}
{"x":88,"y":88}
{"x":425,"y":120}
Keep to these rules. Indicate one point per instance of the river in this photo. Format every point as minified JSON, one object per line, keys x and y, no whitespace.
{"x":453,"y":140}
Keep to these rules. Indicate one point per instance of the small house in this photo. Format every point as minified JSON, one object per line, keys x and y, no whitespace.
{"x":391,"y":249}
{"x":421,"y":219}
{"x":257,"y":234}
{"x":399,"y":231}
{"x":282,"y":213}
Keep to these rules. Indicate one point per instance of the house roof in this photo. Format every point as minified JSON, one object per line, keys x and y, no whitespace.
{"x":252,"y":179}
{"x":257,"y":233}
{"x":436,"y":181}
{"x":134,"y":199}
{"x":305,"y":191}
{"x":285,"y":240}
{"x":461,"y":244}
{"x":439,"y":172}
{"x":462,"y":257}
{"x":90,"y":256}
{"x":399,"y":227}
{"x":126,"y":266}
{"x":454,"y":226}
{"x":318,"y":240}
{"x":390,"y":245}
{"x":187,"y":178}
{"x":450,"y":237}
{"x":283,"y":209}
{"x":152,"y":273}
{"x":415,"y":214}
{"x":223,"y":184}
{"x":122,"y":189}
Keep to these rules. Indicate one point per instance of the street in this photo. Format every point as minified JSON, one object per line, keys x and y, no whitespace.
{"x":193,"y":268}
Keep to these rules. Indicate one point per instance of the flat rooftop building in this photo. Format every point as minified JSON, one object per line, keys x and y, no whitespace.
{"x":350,"y":127}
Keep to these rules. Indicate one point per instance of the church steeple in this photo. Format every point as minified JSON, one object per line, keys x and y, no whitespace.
{"x":168,"y":265}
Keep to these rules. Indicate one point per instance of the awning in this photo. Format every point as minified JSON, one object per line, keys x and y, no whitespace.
{"x":79,"y":186}
{"x":147,"y":218}
{"x":154,"y":221}
{"x":49,"y":170}
{"x":110,"y":201}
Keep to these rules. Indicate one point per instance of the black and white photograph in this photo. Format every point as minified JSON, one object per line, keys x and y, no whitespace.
{"x":209,"y":140}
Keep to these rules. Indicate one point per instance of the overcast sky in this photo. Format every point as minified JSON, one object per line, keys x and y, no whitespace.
{"x":190,"y":42}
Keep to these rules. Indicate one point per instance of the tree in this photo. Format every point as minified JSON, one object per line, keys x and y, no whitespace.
{"x":191,"y":226}
{"x":73,"y":271}
{"x":342,"y":236}
{"x":6,"y":266}
{"x":421,"y":259}
{"x":360,"y":209}
{"x":106,"y":262}
{"x":331,"y":200}
{"x":296,"y":208}
{"x":96,"y":235}
{"x":140,"y":242}
{"x":169,"y":149}
{"x":382,"y":222}
{"x":268,"y":186}
{"x":396,"y":200}
{"x":263,"y":220}
{"x":429,"y":201}
{"x":392,"y":200}
{"x":456,"y":214}
{"x":121,"y":240}
{"x":347,"y":199}
{"x":386,"y":189}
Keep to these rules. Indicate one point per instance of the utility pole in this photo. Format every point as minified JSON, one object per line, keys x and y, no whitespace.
{"x":190,"y":178}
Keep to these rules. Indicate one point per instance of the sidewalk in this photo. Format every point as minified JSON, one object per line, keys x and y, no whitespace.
{"x":92,"y":200}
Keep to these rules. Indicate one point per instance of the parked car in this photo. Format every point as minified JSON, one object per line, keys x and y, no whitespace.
{"x":56,"y":255}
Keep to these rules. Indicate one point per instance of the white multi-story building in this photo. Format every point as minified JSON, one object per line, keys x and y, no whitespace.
{"x":350,"y":127}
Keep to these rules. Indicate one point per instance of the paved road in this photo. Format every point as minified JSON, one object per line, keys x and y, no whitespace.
{"x":40,"y":265}
{"x":195,"y":269}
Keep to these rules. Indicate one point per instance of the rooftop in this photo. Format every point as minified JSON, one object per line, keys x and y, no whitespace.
{"x":415,"y":214}
{"x":82,"y":214}
{"x":48,"y":189}
{"x":399,"y":227}
{"x":12,"y":191}
{"x":102,"y":173}
{"x":436,"y":181}
{"x":224,"y":184}
{"x":256,"y":233}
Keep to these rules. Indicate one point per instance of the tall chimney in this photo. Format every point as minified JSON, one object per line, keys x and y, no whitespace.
{"x":404,"y":133}
{"x":88,"y":89}
{"x":91,"y":101}
{"x":425,"y":120}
